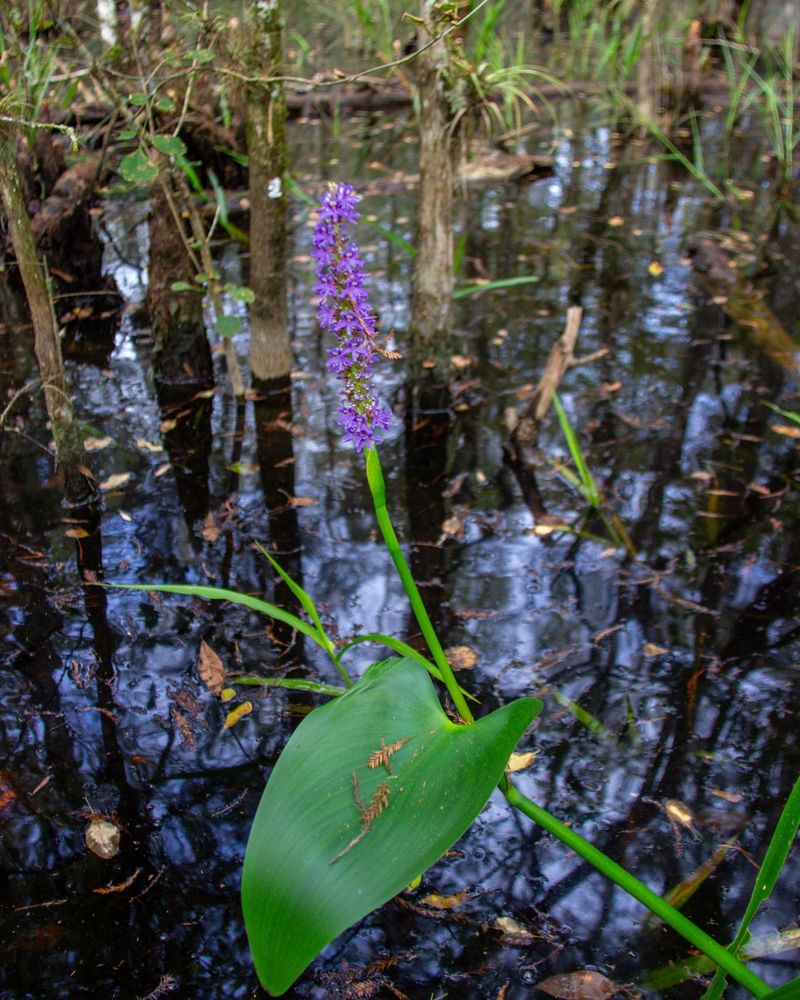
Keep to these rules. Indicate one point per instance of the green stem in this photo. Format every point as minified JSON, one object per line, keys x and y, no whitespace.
{"x":611,"y":870}
{"x":377,"y":488}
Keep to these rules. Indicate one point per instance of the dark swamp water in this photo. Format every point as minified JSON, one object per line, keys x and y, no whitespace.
{"x":686,"y":656}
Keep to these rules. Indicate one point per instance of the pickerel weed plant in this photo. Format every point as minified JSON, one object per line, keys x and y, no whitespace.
{"x":376,"y":784}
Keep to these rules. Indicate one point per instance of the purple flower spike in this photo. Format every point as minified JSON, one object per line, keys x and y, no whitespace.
{"x":345,"y":311}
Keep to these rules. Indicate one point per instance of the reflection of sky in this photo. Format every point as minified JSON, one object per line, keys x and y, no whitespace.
{"x":550,"y":615}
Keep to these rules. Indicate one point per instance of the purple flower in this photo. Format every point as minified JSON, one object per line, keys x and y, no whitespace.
{"x":345,"y":311}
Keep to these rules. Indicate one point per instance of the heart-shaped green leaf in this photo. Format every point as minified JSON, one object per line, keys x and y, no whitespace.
{"x":169,"y":145}
{"x":137,"y":169}
{"x":370,"y":790}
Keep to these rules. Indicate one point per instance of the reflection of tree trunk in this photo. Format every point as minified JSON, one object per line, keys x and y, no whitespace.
{"x":270,"y":348}
{"x":69,"y":446}
{"x":432,"y":279}
{"x":181,"y":355}
{"x":427,"y":429}
{"x":188,"y":445}
{"x":275,"y":449}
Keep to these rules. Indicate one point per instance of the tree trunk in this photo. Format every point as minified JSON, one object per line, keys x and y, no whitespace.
{"x":181,"y":355}
{"x":432,"y":279}
{"x":270,"y":346}
{"x":70,"y":453}
{"x":647,"y":84}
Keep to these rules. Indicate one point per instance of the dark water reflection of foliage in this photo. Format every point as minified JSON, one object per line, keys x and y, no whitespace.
{"x":686,"y":657}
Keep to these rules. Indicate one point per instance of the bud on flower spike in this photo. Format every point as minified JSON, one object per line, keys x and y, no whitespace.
{"x":344,"y":309}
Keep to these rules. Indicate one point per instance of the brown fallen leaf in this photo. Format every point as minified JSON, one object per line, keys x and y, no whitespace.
{"x":519,"y":761}
{"x":651,"y":649}
{"x":96,"y":444}
{"x":586,"y":985}
{"x":676,"y":810}
{"x":210,"y":530}
{"x":444,"y":902}
{"x":734,"y":797}
{"x":144,"y":445}
{"x":452,"y":527}
{"x":788,"y":430}
{"x":117,"y":480}
{"x":102,"y":838}
{"x":461,"y":657}
{"x":210,"y":668}
{"x":514,"y":933}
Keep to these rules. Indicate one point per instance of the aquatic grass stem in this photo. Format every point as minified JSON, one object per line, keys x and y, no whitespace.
{"x":630,"y":884}
{"x":377,"y":487}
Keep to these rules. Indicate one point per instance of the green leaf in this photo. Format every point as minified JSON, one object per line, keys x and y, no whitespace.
{"x":314,"y":866}
{"x":403,"y":648}
{"x":128,"y":133}
{"x":240,"y":293}
{"x":165,"y":104}
{"x":200,"y":56}
{"x":138,"y":99}
{"x":135,"y":168}
{"x":169,"y":145}
{"x":227,"y":326}
{"x":183,"y":286}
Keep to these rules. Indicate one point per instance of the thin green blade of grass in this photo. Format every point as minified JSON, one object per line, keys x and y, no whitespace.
{"x":302,"y":596}
{"x":789,"y":991}
{"x":221,"y":594}
{"x":638,"y":890}
{"x":291,"y":683}
{"x":588,"y":487}
{"x":490,"y":286}
{"x":763,"y":946}
{"x":582,"y":715}
{"x":771,"y":867}
{"x":680,"y":894}
{"x":789,"y":414}
{"x":398,"y":241}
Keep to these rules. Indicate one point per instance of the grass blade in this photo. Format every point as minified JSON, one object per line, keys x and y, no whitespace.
{"x":771,"y":866}
{"x":221,"y":594}
{"x":588,"y":487}
{"x":630,"y":884}
{"x":490,"y":286}
{"x":293,"y":684}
